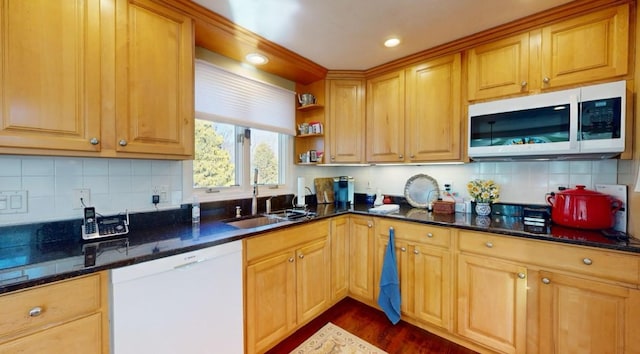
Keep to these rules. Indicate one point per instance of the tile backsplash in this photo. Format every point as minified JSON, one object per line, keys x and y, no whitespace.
{"x":520,"y":182}
{"x":117,"y":185}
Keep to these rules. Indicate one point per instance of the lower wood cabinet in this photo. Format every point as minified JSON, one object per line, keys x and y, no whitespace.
{"x":424,"y":269}
{"x":361,"y":258}
{"x":492,"y":307}
{"x":287,"y":282}
{"x":584,"y":316}
{"x":69,"y":316}
{"x":339,"y":258}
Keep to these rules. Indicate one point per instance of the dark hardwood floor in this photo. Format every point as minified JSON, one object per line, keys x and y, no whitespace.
{"x":373,"y":326}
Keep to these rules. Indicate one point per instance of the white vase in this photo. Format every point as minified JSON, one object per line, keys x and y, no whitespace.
{"x":483,"y":209}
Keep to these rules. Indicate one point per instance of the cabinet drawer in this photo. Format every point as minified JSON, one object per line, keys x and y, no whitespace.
{"x":599,"y":263}
{"x":424,"y":234}
{"x":276,"y":241}
{"x":57,"y":302}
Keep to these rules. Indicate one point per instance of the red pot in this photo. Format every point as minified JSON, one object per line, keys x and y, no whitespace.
{"x":583,"y":208}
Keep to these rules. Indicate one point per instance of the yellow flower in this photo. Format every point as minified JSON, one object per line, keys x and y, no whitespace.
{"x":483,"y":191}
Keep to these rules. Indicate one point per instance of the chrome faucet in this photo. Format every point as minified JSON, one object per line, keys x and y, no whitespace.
{"x":254,"y":200}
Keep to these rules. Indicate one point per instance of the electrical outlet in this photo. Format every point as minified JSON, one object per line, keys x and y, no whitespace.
{"x":163,"y":191}
{"x":80,"y":196}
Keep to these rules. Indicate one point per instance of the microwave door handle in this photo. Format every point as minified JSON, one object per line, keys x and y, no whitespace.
{"x":573,"y":123}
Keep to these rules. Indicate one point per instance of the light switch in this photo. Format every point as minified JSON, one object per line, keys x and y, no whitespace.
{"x":13,"y":202}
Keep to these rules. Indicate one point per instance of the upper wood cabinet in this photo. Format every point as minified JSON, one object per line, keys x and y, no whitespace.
{"x":50,"y":80}
{"x":346,"y":121}
{"x":154,"y":79}
{"x":385,"y":118}
{"x":414,"y":115}
{"x":433,"y":120}
{"x":584,"y":49}
{"x":96,"y":78}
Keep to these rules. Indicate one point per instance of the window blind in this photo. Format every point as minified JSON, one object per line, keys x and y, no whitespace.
{"x":226,"y":97}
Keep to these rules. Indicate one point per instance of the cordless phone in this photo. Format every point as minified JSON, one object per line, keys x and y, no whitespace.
{"x":103,"y":226}
{"x":90,"y":227}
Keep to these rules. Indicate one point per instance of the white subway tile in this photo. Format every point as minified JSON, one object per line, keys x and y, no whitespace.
{"x":37,"y":167}
{"x":39,"y":186}
{"x":95,"y":167}
{"x":580,"y":167}
{"x":119,"y":167}
{"x":10,"y":166}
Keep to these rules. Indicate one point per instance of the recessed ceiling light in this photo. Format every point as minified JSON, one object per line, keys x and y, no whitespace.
{"x":391,"y":42}
{"x":256,"y":59}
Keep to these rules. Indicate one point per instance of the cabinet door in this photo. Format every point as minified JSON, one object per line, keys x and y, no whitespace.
{"x":154,"y":79}
{"x":313,"y":279}
{"x":433,"y":110}
{"x":50,"y":76}
{"x":339,"y":258}
{"x":587,"y":48}
{"x":492,"y":303}
{"x":385,"y":118}
{"x":270,"y":300}
{"x":432,"y":279}
{"x":346,"y":128}
{"x":80,"y":336}
{"x":499,"y":68}
{"x":361,"y":257}
{"x":582,"y":316}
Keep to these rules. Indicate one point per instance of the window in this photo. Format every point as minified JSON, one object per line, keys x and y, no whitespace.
{"x":241,"y":125}
{"x":226,"y":157}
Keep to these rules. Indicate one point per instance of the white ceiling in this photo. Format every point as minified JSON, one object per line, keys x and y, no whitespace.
{"x":348,"y":34}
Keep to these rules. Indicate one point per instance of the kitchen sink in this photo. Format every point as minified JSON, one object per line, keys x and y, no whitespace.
{"x":277,"y":217}
{"x":257,"y":221}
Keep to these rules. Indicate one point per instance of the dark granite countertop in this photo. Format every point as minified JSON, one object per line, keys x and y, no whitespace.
{"x":39,"y":253}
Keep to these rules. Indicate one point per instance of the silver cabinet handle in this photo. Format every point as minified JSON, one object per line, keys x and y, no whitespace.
{"x":301,"y":256}
{"x":291,"y":259}
{"x":546,"y":80}
{"x":333,"y":158}
{"x":429,"y":235}
{"x":546,"y":280}
{"x":587,"y":261}
{"x":523,"y":83}
{"x":35,"y":312}
{"x":521,"y":275}
{"x":370,"y":225}
{"x":489,"y":244}
{"x":412,"y":156}
{"x":403,"y":249}
{"x":400,"y":157}
{"x":94,"y":141}
{"x":122,"y":142}
{"x":416,"y":252}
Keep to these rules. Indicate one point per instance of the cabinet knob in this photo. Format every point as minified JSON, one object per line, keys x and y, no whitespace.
{"x":122,"y":142}
{"x":403,"y":249}
{"x":489,"y":244}
{"x":429,"y":235}
{"x":370,"y":225}
{"x":291,"y":259}
{"x":521,"y":275}
{"x":333,"y":158}
{"x":546,"y":80}
{"x":301,"y":256}
{"x":523,"y":84}
{"x":94,"y":141}
{"x":587,"y":261}
{"x":546,"y":280}
{"x":416,"y":252}
{"x":412,"y":156}
{"x":35,"y":312}
{"x":400,"y":157}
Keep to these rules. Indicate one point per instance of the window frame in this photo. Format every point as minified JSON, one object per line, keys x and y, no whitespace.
{"x":245,"y":177}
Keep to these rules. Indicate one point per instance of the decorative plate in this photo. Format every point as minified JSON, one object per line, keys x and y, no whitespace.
{"x":420,"y":190}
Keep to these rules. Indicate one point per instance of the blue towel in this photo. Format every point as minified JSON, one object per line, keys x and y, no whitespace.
{"x":389,"y":297}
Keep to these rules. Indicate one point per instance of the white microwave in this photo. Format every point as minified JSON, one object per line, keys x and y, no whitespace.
{"x":586,"y":122}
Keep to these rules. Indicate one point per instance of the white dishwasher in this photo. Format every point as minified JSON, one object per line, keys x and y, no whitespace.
{"x":187,"y":303}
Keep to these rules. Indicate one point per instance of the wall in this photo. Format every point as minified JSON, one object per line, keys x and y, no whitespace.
{"x":520,"y":182}
{"x":116,"y":185}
